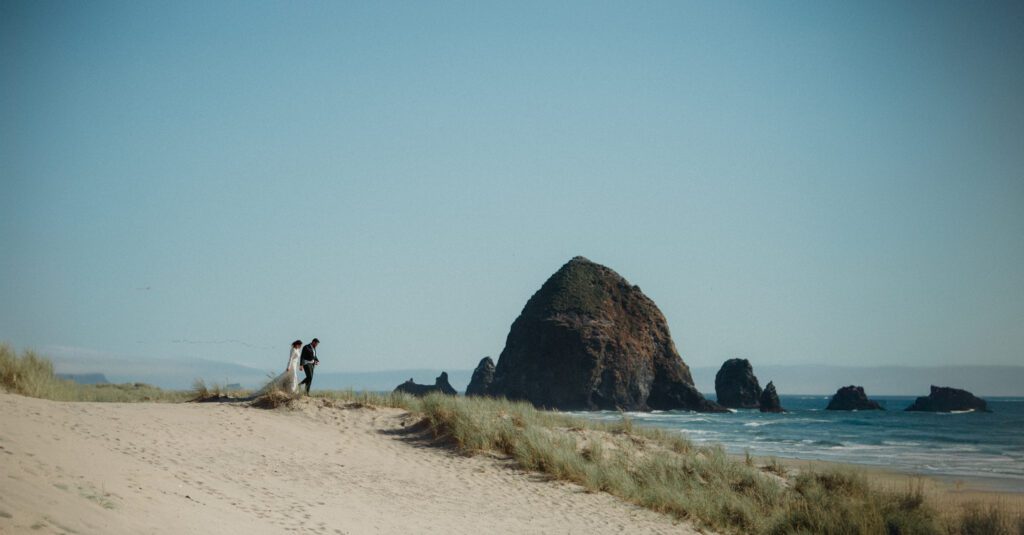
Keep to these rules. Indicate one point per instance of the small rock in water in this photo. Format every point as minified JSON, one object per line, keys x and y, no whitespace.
{"x":852,"y":398}
{"x":770,"y":399}
{"x":946,"y":399}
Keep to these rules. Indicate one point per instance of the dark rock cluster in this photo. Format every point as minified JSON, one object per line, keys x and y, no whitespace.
{"x":736,"y":386}
{"x":441,"y":385}
{"x":852,"y":398}
{"x":945,"y":399}
{"x":588,"y":339}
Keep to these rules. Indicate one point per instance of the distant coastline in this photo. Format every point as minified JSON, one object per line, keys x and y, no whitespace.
{"x":809,"y":380}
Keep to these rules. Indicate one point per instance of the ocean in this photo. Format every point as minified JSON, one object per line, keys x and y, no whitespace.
{"x":987,"y":446}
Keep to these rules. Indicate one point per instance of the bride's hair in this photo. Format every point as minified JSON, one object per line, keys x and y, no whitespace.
{"x":297,"y":343}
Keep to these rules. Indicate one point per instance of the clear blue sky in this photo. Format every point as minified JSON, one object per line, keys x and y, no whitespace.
{"x":793,"y":182}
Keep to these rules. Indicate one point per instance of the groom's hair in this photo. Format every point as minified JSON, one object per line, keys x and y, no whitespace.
{"x":315,"y":341}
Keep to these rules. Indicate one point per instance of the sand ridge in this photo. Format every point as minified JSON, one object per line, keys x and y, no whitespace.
{"x":229,"y":468}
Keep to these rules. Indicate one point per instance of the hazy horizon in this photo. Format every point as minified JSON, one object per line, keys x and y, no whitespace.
{"x":791,"y":183}
{"x":803,"y":379}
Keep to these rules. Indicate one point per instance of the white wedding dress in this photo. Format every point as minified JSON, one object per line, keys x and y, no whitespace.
{"x":289,"y":380}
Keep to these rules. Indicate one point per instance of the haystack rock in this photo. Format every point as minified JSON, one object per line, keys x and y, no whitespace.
{"x":945,"y":399}
{"x":852,"y":398}
{"x":770,"y":400}
{"x":736,"y":386}
{"x":441,"y":385}
{"x":482,"y":378}
{"x":589,"y":340}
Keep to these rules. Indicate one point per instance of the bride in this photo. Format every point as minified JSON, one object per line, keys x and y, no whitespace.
{"x":288,"y":381}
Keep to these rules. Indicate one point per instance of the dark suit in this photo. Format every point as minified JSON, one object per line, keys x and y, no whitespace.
{"x":308,"y":361}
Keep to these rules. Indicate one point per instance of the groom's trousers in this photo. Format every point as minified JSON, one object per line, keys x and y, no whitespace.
{"x":308,"y":381}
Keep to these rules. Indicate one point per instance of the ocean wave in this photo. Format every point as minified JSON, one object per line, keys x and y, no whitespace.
{"x":856,"y":447}
{"x":759,"y":424}
{"x":899,"y":443}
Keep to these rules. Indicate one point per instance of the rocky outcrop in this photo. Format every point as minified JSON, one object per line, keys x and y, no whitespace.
{"x":482,"y":378}
{"x":736,"y":386}
{"x":770,"y":400}
{"x":587,"y":340}
{"x":440,"y":385}
{"x":945,"y":399}
{"x":852,"y":398}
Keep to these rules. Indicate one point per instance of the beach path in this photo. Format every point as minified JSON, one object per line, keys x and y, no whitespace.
{"x":227,"y":468}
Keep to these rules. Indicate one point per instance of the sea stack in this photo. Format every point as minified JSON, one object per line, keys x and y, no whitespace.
{"x":482,"y":378}
{"x":441,"y":385}
{"x":770,"y":400}
{"x":589,"y":340}
{"x":946,"y":399}
{"x":736,"y":386}
{"x":852,"y":398}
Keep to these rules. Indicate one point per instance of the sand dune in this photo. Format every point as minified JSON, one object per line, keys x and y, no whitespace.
{"x":227,"y":468}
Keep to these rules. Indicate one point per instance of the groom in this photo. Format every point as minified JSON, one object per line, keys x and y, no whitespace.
{"x":308,"y":361}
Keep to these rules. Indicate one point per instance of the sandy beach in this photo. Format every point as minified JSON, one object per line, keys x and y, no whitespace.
{"x":226,"y":468}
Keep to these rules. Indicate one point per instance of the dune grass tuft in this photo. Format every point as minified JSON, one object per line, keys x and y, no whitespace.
{"x":991,"y":520}
{"x":641,"y":465}
{"x":272,"y":399}
{"x":32,"y":375}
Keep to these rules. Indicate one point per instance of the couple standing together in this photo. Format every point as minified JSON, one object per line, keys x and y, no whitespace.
{"x":307,"y":359}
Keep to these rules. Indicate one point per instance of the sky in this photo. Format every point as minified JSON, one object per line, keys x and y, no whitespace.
{"x":792,"y":182}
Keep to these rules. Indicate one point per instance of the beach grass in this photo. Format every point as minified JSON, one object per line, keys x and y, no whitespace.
{"x":665,"y":472}
{"x":978,"y":519}
{"x":31,"y":375}
{"x":394,"y":400}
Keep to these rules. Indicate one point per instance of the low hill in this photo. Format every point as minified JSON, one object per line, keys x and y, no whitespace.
{"x":84,"y":378}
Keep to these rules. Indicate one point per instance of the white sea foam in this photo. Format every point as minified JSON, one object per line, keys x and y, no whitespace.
{"x":760,"y":424}
{"x":900,"y":443}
